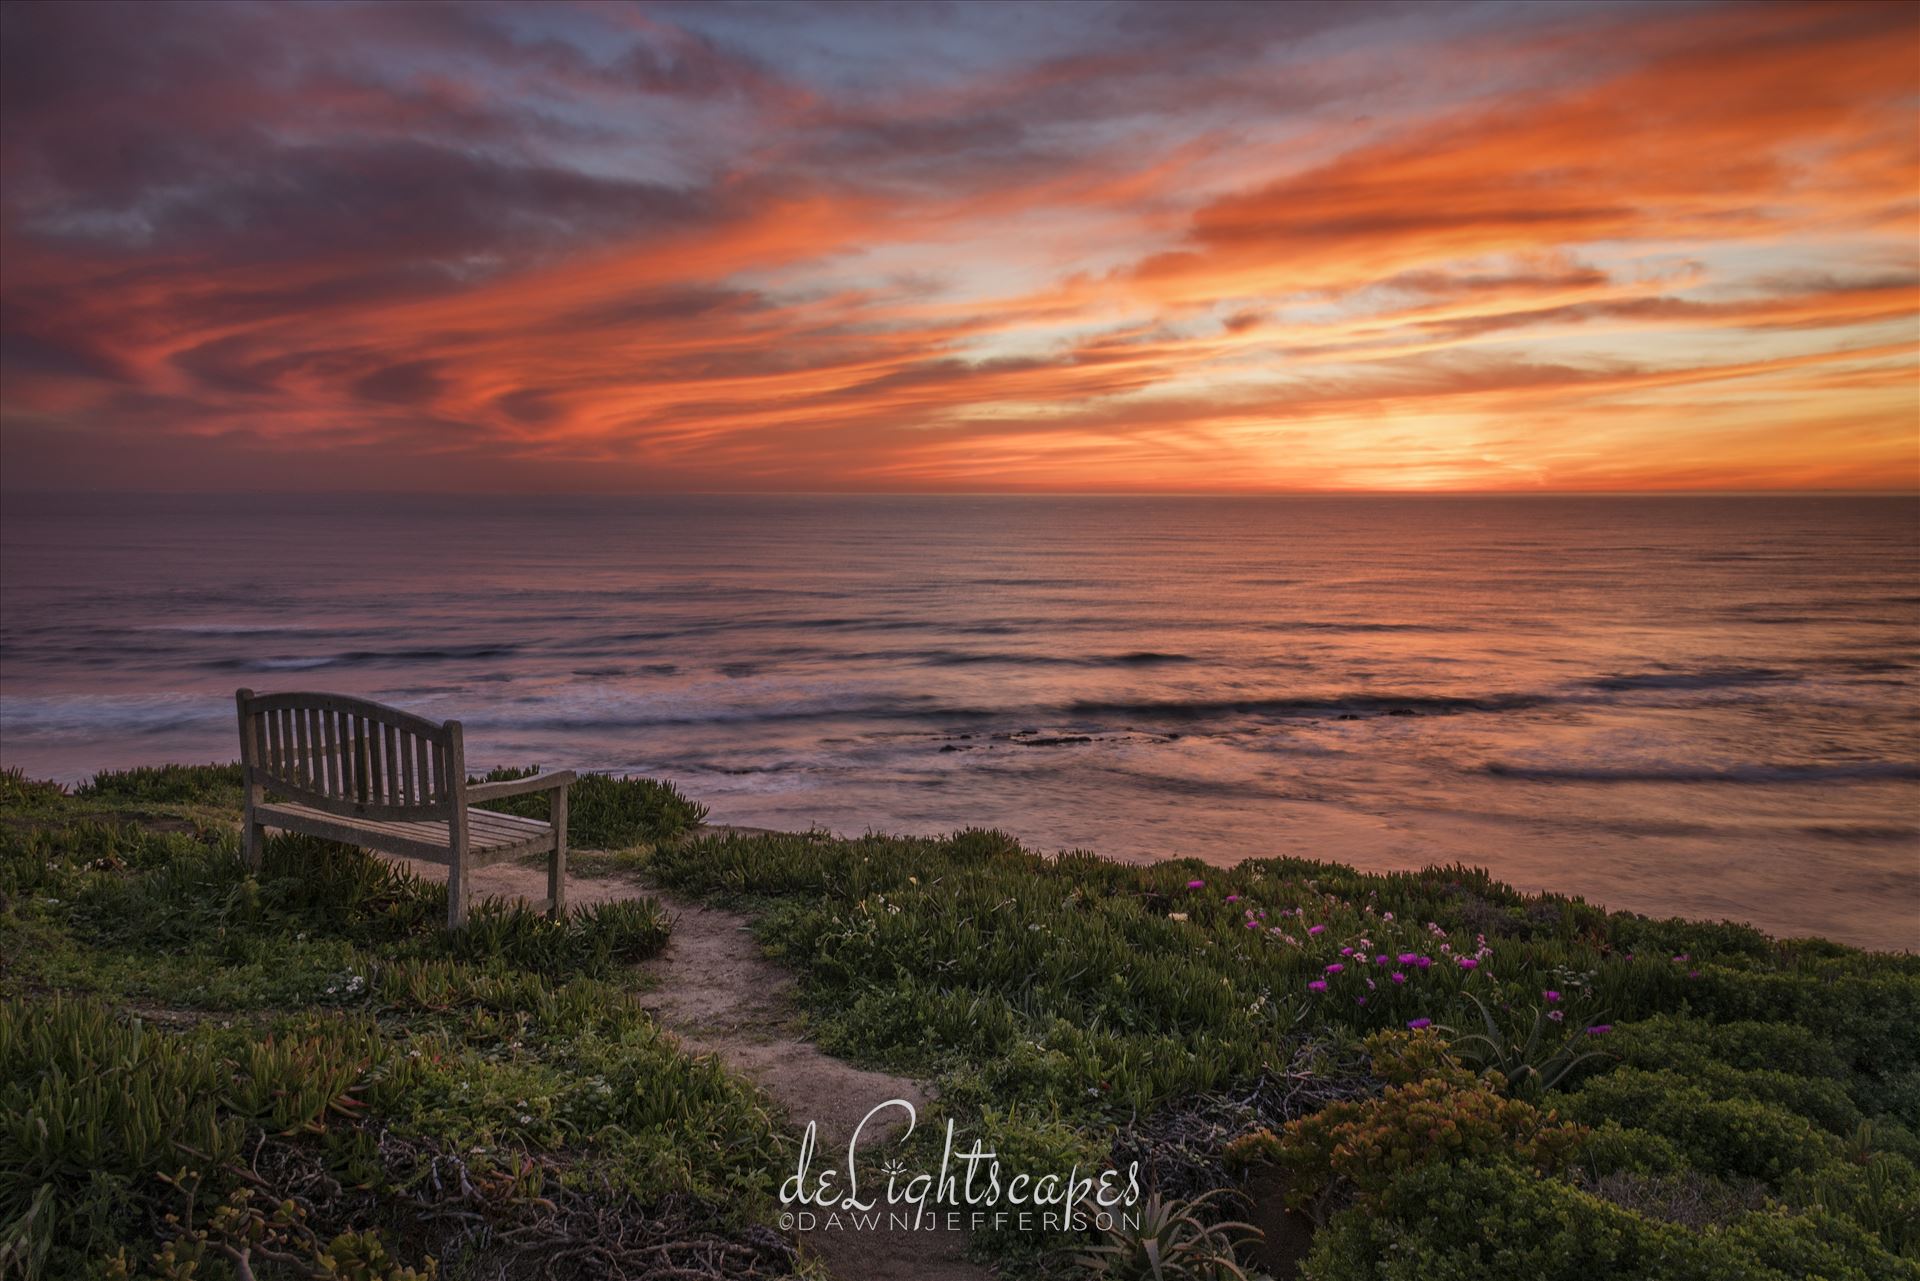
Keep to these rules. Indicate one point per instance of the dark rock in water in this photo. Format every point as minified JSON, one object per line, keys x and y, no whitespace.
{"x":1403,"y":711}
{"x":1054,"y":741}
{"x":1348,"y":716}
{"x":951,"y":747}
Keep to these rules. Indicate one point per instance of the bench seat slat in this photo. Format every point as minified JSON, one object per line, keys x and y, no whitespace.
{"x":493,"y":836}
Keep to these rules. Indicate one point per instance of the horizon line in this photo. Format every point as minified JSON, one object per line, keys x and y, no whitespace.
{"x":252,"y":491}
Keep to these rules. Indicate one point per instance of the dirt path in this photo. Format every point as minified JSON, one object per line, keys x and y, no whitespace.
{"x":718,"y":993}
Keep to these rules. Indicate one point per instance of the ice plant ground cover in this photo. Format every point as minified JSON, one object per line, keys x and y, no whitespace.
{"x":1716,"y":1103}
{"x":1445,"y":1078}
{"x":300,"y":1066}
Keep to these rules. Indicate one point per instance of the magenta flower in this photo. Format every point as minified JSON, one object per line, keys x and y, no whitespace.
{"x":1316,"y":929}
{"x":1468,"y":963}
{"x":1382,"y":959}
{"x":1408,"y":958}
{"x":1551,"y":995}
{"x":1398,"y":977}
{"x":1318,"y":985}
{"x":1346,"y":951}
{"x":1233,"y":898}
{"x":1414,"y":1025}
{"x":1422,"y":961}
{"x":1196,"y":885}
{"x":1359,"y":1000}
{"x":1336,"y":968}
{"x":1693,"y":974}
{"x":1600,"y":1029}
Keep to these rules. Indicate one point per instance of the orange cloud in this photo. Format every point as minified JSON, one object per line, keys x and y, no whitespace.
{"x":1668,"y":249}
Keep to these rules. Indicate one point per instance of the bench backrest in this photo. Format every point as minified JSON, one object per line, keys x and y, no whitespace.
{"x":350,"y":756}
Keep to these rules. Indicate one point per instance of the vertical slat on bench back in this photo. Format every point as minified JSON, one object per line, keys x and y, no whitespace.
{"x":344,"y":723}
{"x":370,"y":731}
{"x":317,"y":763}
{"x":356,"y":760}
{"x":423,"y":771}
{"x":347,"y":755}
{"x":389,"y":740}
{"x":403,"y":756}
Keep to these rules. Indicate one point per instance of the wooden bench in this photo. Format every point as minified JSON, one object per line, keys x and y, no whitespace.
{"x":345,"y":769}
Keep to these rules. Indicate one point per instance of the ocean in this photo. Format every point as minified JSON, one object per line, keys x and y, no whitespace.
{"x":1676,"y":705}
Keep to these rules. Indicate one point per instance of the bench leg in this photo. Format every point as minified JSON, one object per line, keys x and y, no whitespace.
{"x":557,"y":866}
{"x":458,"y":890}
{"x":253,"y":837}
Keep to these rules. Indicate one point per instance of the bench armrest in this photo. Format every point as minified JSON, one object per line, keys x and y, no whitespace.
{"x":477,"y":792}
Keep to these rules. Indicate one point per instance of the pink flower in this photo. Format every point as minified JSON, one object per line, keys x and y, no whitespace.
{"x":1316,"y":929}
{"x":1196,"y":885}
{"x":1414,"y":1025}
{"x":1233,"y":898}
{"x":1551,"y":995}
{"x":1386,"y":916}
{"x":1398,"y":977}
{"x":1336,"y":968}
{"x":1556,"y":1015}
{"x":1468,"y":963}
{"x":1346,"y":951}
{"x":1318,"y":985}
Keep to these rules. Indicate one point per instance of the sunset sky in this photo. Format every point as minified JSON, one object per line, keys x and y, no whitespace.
{"x":960,"y":247}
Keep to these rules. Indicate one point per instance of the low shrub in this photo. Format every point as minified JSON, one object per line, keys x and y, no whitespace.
{"x":61,"y":861}
{"x":1684,"y":1043}
{"x":605,"y":812}
{"x":1864,"y":1005}
{"x":1498,"y":1219}
{"x":201,"y":893}
{"x":1612,"y":1148}
{"x":588,"y":943}
{"x":1881,"y":1194}
{"x":22,"y":795}
{"x":1360,"y":1147}
{"x":166,"y":784}
{"x":1733,"y":1136}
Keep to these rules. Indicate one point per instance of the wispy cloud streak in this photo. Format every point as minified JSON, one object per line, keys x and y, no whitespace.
{"x":1050,"y":247}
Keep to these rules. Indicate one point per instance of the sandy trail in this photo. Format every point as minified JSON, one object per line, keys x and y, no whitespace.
{"x":715,"y":990}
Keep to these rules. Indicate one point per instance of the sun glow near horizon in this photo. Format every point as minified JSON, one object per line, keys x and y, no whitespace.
{"x":1052,"y":248}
